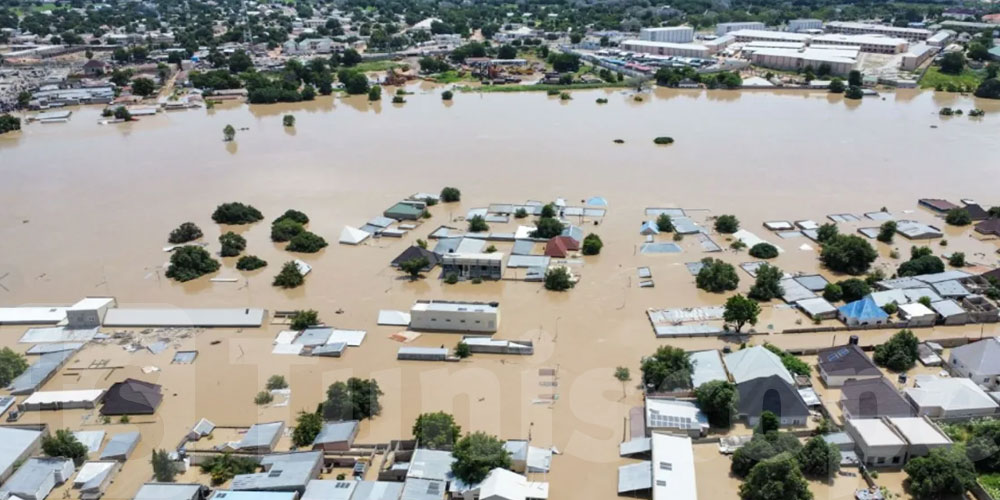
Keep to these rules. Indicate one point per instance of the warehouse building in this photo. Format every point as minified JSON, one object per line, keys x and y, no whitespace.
{"x":473,"y":265}
{"x":673,"y":34}
{"x":666,"y":48}
{"x":723,"y":28}
{"x":917,"y":55}
{"x":841,"y":61}
{"x":448,"y":316}
{"x":941,"y":38}
{"x":796,"y":25}
{"x":849,"y":28}
{"x":758,"y":35}
{"x":876,"y":44}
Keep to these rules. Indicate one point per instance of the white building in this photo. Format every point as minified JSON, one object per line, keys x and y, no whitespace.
{"x":850,"y":28}
{"x":941,"y":38}
{"x":752,"y":35}
{"x":723,"y":28}
{"x":756,"y":362}
{"x":675,"y":417}
{"x":473,"y":265}
{"x":917,"y":314}
{"x":89,"y":312}
{"x":666,"y":48}
{"x":673,"y":468}
{"x":917,"y":55}
{"x":673,"y":34}
{"x":979,"y":361}
{"x":893,"y":441}
{"x":950,"y":398}
{"x":797,"y":25}
{"x":841,"y":61}
{"x":448,"y":316}
{"x":719,"y":43}
{"x":877,"y":44}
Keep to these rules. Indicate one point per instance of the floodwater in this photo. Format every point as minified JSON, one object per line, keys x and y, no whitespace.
{"x":87,"y":208}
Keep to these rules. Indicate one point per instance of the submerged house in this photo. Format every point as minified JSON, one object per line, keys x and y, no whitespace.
{"x":978,"y":361}
{"x":473,"y":265}
{"x":862,"y":312}
{"x":837,"y":365}
{"x":873,"y":398}
{"x":132,"y":397}
{"x":416,"y":252}
{"x":773,"y":394}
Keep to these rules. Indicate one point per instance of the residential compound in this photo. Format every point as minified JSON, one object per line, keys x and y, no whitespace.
{"x":448,"y":316}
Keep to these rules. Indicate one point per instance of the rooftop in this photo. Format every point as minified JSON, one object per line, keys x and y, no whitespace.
{"x":450,"y":306}
{"x":875,"y":432}
{"x":919,"y":431}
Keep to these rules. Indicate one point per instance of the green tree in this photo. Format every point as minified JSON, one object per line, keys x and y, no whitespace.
{"x":184,"y":233}
{"x":922,"y":261}
{"x":477,"y":224}
{"x":718,"y":399}
{"x":836,"y":86}
{"x":832,"y":292}
{"x":819,"y":458}
{"x":547,"y":227}
{"x":767,"y":284}
{"x":121,"y":77}
{"x":942,"y":473}
{"x":792,"y":363}
{"x":769,"y":422}
{"x":288,"y":120}
{"x":122,"y":113}
{"x":958,"y":217}
{"x":250,"y":263}
{"x":854,"y":92}
{"x":354,"y":400}
{"x":507,"y":52}
{"x":436,"y":430}
{"x":355,"y":83}
{"x":716,"y":276}
{"x":727,"y":224}
{"x":777,"y":478}
{"x":592,"y":244}
{"x":447,"y":95}
{"x":307,"y":427}
{"x":668,"y":369}
{"x":750,"y":454}
{"x":462,"y":350}
{"x":476,"y":455}
{"x":741,"y":310}
{"x":232,"y":244}
{"x":143,"y":87}
{"x":664,"y":223}
{"x":63,"y":444}
{"x":953,"y":63}
{"x":623,"y":375}
{"x":989,"y":89}
{"x":853,"y":289}
{"x":375,"y":93}
{"x":854,"y":78}
{"x":304,"y":318}
{"x":228,"y":133}
{"x":306,"y":242}
{"x":236,"y":213}
{"x":289,"y":276}
{"x":957,"y":259}
{"x":350,"y":58}
{"x":899,"y":353}
{"x":164,"y":469}
{"x":414,"y":266}
{"x":764,"y":250}
{"x":826,"y":232}
{"x":190,"y":262}
{"x":12,"y":365}
{"x":451,"y":195}
{"x":558,"y":279}
{"x":224,"y":467}
{"x":285,"y":229}
{"x":263,"y":398}
{"x":276,"y":382}
{"x":887,"y":231}
{"x":848,"y":254}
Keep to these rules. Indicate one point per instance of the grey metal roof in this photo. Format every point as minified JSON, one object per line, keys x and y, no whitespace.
{"x":517,"y":448}
{"x":184,"y":357}
{"x":707,"y":366}
{"x":423,"y":489}
{"x":261,"y":435}
{"x":794,"y":291}
{"x":635,"y":477}
{"x":57,"y":347}
{"x":314,"y":336}
{"x":523,"y":247}
{"x":199,"y":317}
{"x":816,"y":306}
{"x":635,"y":446}
{"x":814,"y":282}
{"x":951,"y":288}
{"x":38,"y":373}
{"x":672,"y":212}
{"x":981,"y":357}
{"x":377,"y":490}
{"x":659,"y":248}
{"x":900,"y":283}
{"x":36,"y":475}
{"x":168,"y":491}
{"x":334,"y":349}
{"x":947,"y":308}
{"x":335,"y":432}
{"x":285,"y":471}
{"x":847,"y":360}
{"x":516,"y":261}
{"x":321,"y":489}
{"x":873,"y":398}
{"x":430,"y":464}
{"x":756,"y":393}
{"x":380,"y":221}
{"x":120,"y":446}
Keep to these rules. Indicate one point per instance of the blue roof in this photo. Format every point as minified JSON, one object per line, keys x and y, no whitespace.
{"x":862,"y":309}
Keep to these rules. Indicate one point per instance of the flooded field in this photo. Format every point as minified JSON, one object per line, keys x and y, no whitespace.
{"x":87,"y":208}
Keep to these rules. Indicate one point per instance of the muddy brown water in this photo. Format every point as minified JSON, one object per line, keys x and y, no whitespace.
{"x":86,"y":209}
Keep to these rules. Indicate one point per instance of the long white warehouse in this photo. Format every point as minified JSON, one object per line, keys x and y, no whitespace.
{"x":867,"y":43}
{"x":911,"y":34}
{"x":723,"y":28}
{"x":448,"y":316}
{"x":674,"y":34}
{"x":841,"y":61}
{"x":666,"y":48}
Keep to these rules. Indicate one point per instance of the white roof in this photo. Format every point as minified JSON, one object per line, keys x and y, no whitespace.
{"x":875,"y":432}
{"x":198,"y":317}
{"x":352,"y":235}
{"x":449,"y":306}
{"x":503,"y":484}
{"x":673,"y":468}
{"x":774,"y":35}
{"x":916,"y":310}
{"x":92,"y":303}
{"x":51,"y":397}
{"x":919,"y":431}
{"x":353,"y":338}
{"x":393,"y":318}
{"x":674,"y":414}
{"x":860,"y":39}
{"x":889,"y":296}
{"x":707,"y":366}
{"x":91,"y":470}
{"x":32,"y":315}
{"x":13,"y":443}
{"x":286,"y":337}
{"x":949,"y":394}
{"x":755,"y":362}
{"x":292,"y":349}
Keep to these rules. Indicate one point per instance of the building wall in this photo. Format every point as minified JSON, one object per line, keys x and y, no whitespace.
{"x":795,"y":421}
{"x":675,"y":34}
{"x":866,"y":46}
{"x":454,"y":321}
{"x":839,"y":380}
{"x":794,"y":62}
{"x":877,"y":30}
{"x":693,"y":51}
{"x":804,"y":24}
{"x":987,"y":379}
{"x":723,"y":28}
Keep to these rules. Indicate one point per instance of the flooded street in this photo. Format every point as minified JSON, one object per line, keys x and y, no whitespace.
{"x":87,"y":209}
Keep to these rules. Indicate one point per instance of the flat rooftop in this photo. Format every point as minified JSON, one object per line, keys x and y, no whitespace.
{"x":233,"y":318}
{"x":875,"y":432}
{"x":451,"y":306}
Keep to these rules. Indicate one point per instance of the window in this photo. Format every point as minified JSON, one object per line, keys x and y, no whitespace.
{"x":660,"y":482}
{"x":881,"y":460}
{"x":666,"y":466}
{"x":895,"y":460}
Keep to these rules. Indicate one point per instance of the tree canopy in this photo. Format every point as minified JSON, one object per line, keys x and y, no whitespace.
{"x":289,"y":276}
{"x":922,"y":261}
{"x":740,"y":311}
{"x":819,"y":458}
{"x":232,"y":244}
{"x":164,"y":469}
{"x":451,"y":195}
{"x":547,"y":227}
{"x":184,"y":233}
{"x":899,"y":353}
{"x":236,"y":213}
{"x":718,"y":400}
{"x":727,"y":224}
{"x":791,"y":362}
{"x":414,"y":266}
{"x":64,"y":444}
{"x":354,"y":400}
{"x":476,"y":455}
{"x":477,"y":224}
{"x":250,"y":263}
{"x":777,"y":478}
{"x":716,"y":276}
{"x":306,"y":242}
{"x":592,"y":244}
{"x":767,"y":284}
{"x":849,"y":254}
{"x":558,"y":279}
{"x":304,"y":318}
{"x":943,"y":472}
{"x":436,"y":430}
{"x":307,"y":427}
{"x":12,"y":365}
{"x":190,"y":262}
{"x":764,"y":250}
{"x":853,"y":289}
{"x":668,"y":369}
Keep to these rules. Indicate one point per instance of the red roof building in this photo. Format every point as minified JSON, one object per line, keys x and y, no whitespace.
{"x":556,"y":247}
